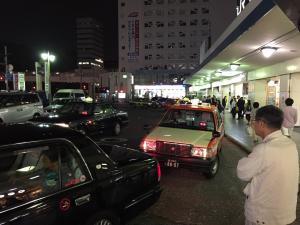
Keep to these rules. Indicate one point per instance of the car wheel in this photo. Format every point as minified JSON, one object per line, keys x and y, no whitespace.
{"x":213,"y":169}
{"x":104,"y":218}
{"x":116,"y":129}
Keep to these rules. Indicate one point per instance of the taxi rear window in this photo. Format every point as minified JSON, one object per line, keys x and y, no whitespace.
{"x":188,"y":119}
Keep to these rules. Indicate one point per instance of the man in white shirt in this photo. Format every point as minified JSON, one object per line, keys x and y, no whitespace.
{"x":272,"y":170}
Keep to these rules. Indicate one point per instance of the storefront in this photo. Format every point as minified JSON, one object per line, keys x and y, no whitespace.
{"x":167,"y":91}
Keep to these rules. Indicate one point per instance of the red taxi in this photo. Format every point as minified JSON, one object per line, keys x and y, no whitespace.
{"x":187,"y":136}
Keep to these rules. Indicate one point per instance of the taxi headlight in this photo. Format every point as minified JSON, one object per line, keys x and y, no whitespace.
{"x":62,"y":125}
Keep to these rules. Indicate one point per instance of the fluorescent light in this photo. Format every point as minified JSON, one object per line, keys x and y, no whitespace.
{"x":268,"y":51}
{"x":234,"y":66}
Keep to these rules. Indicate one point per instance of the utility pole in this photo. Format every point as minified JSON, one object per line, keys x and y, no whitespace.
{"x":6,"y":68}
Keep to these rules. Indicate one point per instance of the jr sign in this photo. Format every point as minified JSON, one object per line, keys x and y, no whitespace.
{"x":241,"y":6}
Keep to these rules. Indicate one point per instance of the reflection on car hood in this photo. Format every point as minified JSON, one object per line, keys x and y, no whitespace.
{"x":194,"y":137}
{"x":57,"y":118}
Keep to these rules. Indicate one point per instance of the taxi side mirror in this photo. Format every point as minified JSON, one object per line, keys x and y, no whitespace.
{"x":216,"y":134}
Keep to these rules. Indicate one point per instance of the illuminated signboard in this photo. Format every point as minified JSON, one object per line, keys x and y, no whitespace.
{"x":241,"y":6}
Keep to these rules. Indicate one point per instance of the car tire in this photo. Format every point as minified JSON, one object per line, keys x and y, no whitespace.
{"x":116,"y":129}
{"x":213,"y":169}
{"x":104,"y":218}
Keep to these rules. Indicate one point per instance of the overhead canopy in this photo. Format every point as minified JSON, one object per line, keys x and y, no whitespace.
{"x":273,"y":29}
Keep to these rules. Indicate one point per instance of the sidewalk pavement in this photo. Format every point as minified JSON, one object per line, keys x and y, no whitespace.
{"x":236,"y":130}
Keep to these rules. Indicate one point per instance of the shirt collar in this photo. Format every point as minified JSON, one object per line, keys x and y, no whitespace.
{"x":273,"y":135}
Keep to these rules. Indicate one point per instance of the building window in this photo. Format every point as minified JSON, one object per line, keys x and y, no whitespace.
{"x":148,"y":45}
{"x":171,"y":34}
{"x":148,"y":57}
{"x":194,"y":11}
{"x":148,"y":2}
{"x":193,"y":44}
{"x":159,"y":56}
{"x":181,"y":34}
{"x":205,"y":10}
{"x":204,"y":22}
{"x":171,"y":12}
{"x":182,"y":1}
{"x":194,"y":56}
{"x":159,"y":24}
{"x":171,"y":45}
{"x":122,"y":4}
{"x":171,"y":1}
{"x":123,"y":47}
{"x":159,"y":2}
{"x":159,"y":46}
{"x":123,"y":26}
{"x":182,"y":23}
{"x":171,"y":23}
{"x":193,"y":1}
{"x":194,"y":22}
{"x":148,"y":24}
{"x":171,"y":56}
{"x":181,"y":45}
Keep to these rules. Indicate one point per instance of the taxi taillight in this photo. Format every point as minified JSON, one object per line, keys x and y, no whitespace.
{"x":148,"y":145}
{"x":158,"y":172}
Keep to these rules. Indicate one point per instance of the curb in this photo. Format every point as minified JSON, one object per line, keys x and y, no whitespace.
{"x":244,"y":147}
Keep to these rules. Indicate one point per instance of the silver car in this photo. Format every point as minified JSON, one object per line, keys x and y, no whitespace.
{"x":18,"y":107}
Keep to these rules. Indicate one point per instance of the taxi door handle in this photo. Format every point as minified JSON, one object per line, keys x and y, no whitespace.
{"x":82,"y":200}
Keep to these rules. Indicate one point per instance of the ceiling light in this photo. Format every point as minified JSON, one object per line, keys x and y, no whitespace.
{"x":268,"y":51}
{"x":234,"y":66}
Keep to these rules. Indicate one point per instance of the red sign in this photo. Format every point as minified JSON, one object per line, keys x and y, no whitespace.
{"x":65,"y":204}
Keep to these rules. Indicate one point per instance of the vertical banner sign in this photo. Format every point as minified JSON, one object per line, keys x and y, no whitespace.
{"x":21,"y":81}
{"x":133,"y":36}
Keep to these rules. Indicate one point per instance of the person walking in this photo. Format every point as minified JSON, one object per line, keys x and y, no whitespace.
{"x":252,"y":119}
{"x":248,"y":109}
{"x":224,"y":102}
{"x":289,"y":117}
{"x":271,"y":192}
{"x":233,"y":107}
{"x":241,"y":105}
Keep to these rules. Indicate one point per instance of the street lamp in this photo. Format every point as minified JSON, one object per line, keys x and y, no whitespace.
{"x":47,"y":58}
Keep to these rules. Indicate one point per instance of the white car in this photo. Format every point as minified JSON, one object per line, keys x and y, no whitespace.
{"x":16,"y":107}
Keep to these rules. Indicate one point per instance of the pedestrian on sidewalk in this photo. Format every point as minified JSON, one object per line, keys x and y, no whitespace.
{"x":248,"y":109}
{"x":289,"y":118}
{"x":224,"y":102}
{"x":241,"y":105}
{"x":252,"y":119}
{"x":271,"y":194}
{"x":233,"y":107}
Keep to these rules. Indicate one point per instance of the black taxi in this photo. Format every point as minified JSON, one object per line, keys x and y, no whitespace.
{"x":53,"y":175}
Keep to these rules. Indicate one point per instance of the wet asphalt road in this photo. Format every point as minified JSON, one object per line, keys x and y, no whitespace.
{"x":188,"y":197}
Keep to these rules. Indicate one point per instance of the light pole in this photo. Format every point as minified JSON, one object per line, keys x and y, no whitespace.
{"x":47,"y":57}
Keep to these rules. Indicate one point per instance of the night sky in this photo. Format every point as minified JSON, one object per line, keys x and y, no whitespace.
{"x":29,"y":27}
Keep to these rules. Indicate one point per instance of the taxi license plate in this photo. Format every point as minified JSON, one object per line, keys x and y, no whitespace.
{"x":172,"y":163}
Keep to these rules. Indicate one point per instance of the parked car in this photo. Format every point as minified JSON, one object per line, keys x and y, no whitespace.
{"x":140,"y":103}
{"x":18,"y":106}
{"x":88,"y":118}
{"x":52,"y":175}
{"x":69,"y":94}
{"x":187,"y":136}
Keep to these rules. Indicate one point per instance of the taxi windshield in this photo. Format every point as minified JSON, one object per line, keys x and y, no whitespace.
{"x":188,"y":119}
